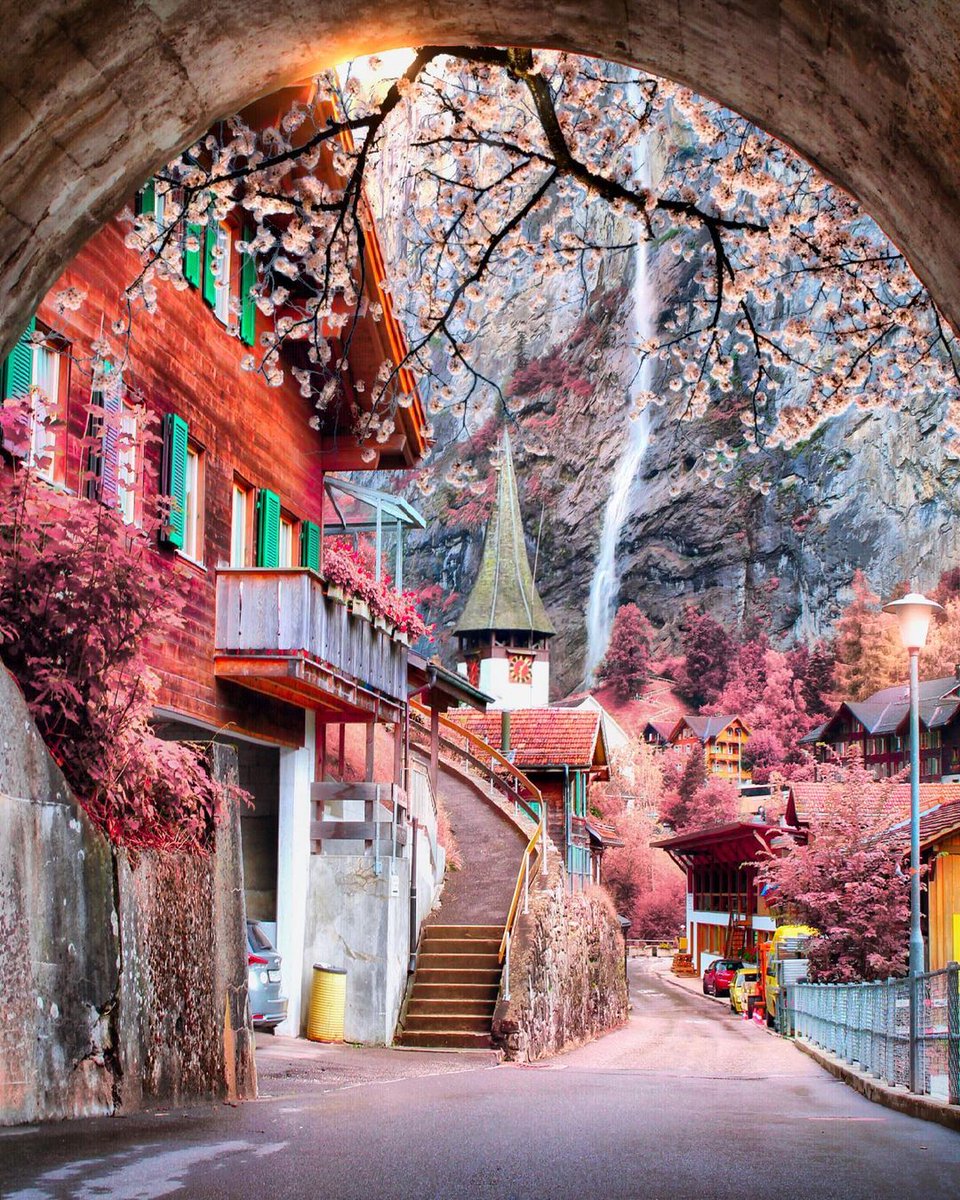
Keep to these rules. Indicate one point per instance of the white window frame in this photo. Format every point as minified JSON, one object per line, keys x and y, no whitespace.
{"x":240,"y":524}
{"x":128,"y":465}
{"x":193,"y":517}
{"x":285,"y":556}
{"x":221,"y":307}
{"x":45,"y":408}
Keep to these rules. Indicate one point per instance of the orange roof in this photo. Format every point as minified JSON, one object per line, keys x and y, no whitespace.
{"x":936,"y":825}
{"x":808,"y":801}
{"x":543,"y":737}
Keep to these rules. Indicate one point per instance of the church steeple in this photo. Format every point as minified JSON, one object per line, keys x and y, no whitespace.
{"x":504,"y":626}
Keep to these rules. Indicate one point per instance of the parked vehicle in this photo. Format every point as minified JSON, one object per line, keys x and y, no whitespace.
{"x":783,"y":960}
{"x":745,"y":989}
{"x":267,"y":1006}
{"x":719,"y":975}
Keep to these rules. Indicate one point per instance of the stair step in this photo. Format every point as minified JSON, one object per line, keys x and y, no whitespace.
{"x":454,"y":990}
{"x":454,"y":946}
{"x":450,"y":1008}
{"x":446,"y":1023}
{"x":479,"y":962}
{"x":464,"y":932}
{"x":456,"y":976}
{"x":462,"y":1039}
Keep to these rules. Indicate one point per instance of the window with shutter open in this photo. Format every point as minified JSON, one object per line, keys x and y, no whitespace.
{"x":268,"y":528}
{"x":191,"y":254}
{"x":18,"y":366}
{"x":310,"y":545}
{"x":175,"y":439}
{"x":248,"y":306}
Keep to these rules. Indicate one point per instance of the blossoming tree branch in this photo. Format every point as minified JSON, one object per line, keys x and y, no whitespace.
{"x":798,"y":306}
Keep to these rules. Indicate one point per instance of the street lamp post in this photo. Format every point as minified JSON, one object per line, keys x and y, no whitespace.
{"x":914,"y":613}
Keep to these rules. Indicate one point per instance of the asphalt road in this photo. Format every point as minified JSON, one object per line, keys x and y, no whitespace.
{"x":686,"y":1101}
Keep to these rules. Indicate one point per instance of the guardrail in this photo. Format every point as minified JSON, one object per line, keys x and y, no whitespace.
{"x":870,"y":1025}
{"x":514,"y":785}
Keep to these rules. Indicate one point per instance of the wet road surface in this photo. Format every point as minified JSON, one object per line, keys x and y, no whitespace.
{"x":685,"y":1101}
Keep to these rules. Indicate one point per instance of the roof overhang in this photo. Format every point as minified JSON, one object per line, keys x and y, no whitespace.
{"x":440,"y":688}
{"x":732,"y":844}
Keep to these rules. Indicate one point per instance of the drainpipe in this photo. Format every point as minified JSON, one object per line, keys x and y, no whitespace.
{"x":412,"y":958}
{"x":567,"y":823}
{"x":505,"y":733}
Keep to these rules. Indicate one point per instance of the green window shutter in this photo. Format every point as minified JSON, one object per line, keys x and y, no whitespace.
{"x":310,"y":546}
{"x":18,"y":367}
{"x":191,"y":258}
{"x":209,"y":279}
{"x":248,"y":306}
{"x":175,"y":431}
{"x":147,"y":199}
{"x":268,"y":528}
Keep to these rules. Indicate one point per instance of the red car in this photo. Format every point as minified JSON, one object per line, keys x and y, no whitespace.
{"x":719,"y":975}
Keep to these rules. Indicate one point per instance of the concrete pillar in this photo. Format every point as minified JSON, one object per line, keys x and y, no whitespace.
{"x":297,"y":768}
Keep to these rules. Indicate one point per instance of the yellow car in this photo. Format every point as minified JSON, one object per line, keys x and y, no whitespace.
{"x":744,"y":989}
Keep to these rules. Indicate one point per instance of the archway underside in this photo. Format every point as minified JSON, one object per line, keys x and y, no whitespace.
{"x":99,"y":93}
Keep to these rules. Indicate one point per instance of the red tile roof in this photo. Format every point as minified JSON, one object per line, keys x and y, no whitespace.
{"x":935,"y":825}
{"x":543,"y":737}
{"x":891,"y":802}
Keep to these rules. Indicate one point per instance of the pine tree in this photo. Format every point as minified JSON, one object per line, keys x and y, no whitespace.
{"x":869,"y":653}
{"x":707,"y":654}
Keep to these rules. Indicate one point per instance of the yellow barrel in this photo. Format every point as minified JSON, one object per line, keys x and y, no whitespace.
{"x":328,"y":1000}
{"x":681,"y":945}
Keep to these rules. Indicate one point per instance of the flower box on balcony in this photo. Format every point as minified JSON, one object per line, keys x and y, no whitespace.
{"x":360,"y":608}
{"x":336,"y":592}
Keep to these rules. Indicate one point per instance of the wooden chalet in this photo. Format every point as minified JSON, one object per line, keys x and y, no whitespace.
{"x":719,"y":737}
{"x":726,"y":915}
{"x":270,"y":658}
{"x":878,"y":728}
{"x":940,"y":897}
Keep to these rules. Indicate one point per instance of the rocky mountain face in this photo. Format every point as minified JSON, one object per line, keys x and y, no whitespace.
{"x":871,"y":489}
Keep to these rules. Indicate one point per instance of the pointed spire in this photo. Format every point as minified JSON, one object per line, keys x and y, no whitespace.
{"x":504,"y":595}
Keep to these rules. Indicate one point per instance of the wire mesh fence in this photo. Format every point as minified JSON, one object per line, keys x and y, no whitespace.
{"x":904,"y":1031}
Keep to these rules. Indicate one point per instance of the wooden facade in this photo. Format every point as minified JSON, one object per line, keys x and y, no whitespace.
{"x":721,"y":740}
{"x":943,"y":901}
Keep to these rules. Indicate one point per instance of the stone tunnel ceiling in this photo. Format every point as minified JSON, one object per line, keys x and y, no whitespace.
{"x":96,"y":94}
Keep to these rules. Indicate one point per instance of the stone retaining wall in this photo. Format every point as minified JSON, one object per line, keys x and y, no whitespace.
{"x":123,"y":977}
{"x":567,"y":973}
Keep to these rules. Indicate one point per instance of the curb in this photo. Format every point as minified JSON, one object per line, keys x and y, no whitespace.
{"x":901,"y":1101}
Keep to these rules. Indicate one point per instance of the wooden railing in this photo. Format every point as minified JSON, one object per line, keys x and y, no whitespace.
{"x":508,"y":779}
{"x":264,"y":612}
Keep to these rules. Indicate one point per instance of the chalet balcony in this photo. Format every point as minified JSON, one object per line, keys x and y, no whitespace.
{"x":280,"y":632}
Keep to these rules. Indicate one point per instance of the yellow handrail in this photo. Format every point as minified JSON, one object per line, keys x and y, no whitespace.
{"x":538,"y":838}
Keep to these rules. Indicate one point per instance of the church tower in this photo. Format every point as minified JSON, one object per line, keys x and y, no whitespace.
{"x":504,"y":628}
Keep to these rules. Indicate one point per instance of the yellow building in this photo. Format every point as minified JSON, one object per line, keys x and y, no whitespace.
{"x":721,"y":740}
{"x":940,"y":850}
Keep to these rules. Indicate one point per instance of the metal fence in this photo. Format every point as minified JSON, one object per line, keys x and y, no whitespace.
{"x":905,"y":1032}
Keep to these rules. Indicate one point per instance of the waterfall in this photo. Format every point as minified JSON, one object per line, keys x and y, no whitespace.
{"x":605,"y":584}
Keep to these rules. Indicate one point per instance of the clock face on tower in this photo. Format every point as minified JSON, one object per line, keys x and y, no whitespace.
{"x":521,"y":668}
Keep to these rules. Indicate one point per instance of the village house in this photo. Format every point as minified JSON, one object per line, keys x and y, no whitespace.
{"x":878,"y":729}
{"x":719,"y":738}
{"x":271,"y":658}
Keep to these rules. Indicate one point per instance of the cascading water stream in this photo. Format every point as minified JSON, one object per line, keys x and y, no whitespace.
{"x":605,"y":585}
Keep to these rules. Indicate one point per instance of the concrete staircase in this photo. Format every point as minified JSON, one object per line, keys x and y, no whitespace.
{"x":455,"y":987}
{"x":457,"y":979}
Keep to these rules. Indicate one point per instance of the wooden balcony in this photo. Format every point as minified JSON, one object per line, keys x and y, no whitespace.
{"x":278,"y":632}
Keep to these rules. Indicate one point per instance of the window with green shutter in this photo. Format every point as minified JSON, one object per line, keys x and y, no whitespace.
{"x":310,"y":545}
{"x":268,"y":528}
{"x":209,"y":278}
{"x":248,"y":306}
{"x":191,"y":257}
{"x":18,"y":366}
{"x":147,"y":199}
{"x":175,"y":437}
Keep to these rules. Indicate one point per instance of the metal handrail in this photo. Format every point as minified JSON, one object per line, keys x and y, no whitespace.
{"x":536,"y":848}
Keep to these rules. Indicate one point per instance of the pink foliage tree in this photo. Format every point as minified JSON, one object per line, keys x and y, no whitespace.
{"x":627,"y":663}
{"x":705,"y":663}
{"x":848,"y":883}
{"x":80,"y":599}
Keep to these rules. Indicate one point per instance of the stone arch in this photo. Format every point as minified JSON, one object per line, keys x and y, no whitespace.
{"x":95,"y":94}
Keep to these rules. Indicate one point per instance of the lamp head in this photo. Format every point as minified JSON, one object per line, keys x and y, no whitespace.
{"x":914,"y":613}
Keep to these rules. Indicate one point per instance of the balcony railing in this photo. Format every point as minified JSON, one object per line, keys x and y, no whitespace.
{"x":280,"y":632}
